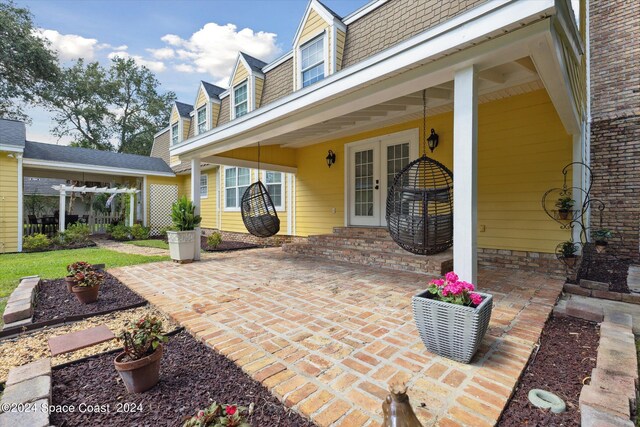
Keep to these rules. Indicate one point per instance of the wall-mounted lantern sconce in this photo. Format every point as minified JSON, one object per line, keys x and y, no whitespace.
{"x":432,"y":140}
{"x":331,"y":158}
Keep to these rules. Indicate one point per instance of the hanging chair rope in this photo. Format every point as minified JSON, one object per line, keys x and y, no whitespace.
{"x":420,"y":202}
{"x":258,"y":211}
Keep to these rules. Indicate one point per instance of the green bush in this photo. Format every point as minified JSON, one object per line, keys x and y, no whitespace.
{"x":58,"y":239}
{"x":214,"y":240}
{"x":183,"y":215}
{"x":36,"y":242}
{"x":139,"y":232}
{"x":120,"y":232}
{"x":76,"y":233}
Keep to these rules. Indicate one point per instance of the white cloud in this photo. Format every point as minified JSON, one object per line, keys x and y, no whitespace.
{"x":155,"y":66}
{"x":70,"y":46}
{"x":162,"y":53}
{"x":214,"y":48}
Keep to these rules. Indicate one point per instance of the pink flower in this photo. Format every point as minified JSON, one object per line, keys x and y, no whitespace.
{"x":476,"y":299}
{"x":451,"y":277}
{"x":438,"y":282}
{"x":466,"y":285}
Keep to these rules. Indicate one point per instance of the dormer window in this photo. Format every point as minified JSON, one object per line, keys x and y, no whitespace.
{"x":240,"y":100}
{"x":202,"y":119}
{"x":312,"y":61}
{"x":175,"y":133}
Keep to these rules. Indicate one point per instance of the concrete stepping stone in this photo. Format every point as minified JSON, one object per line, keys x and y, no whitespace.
{"x":30,"y":370}
{"x":39,"y":417}
{"x":78,"y":340}
{"x":28,"y":391}
{"x":593,"y":285}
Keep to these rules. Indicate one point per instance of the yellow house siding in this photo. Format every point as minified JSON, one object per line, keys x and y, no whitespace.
{"x":8,"y":203}
{"x":225,"y":112}
{"x":241,"y":74}
{"x":312,"y":27}
{"x":522,"y":148}
{"x":160,"y":146}
{"x":259,"y":86}
{"x":174,"y":115}
{"x":187,"y":130}
{"x":215,"y":114}
{"x":340,"y":38}
{"x":202,"y":98}
{"x":207,"y":204}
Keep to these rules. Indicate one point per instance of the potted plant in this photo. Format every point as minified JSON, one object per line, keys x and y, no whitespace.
{"x":73,"y":269}
{"x":568,"y":252}
{"x":602,"y":237}
{"x":564,"y":205}
{"x":452,"y":318}
{"x":139,"y":362}
{"x":182,"y":240}
{"x":87,"y":286}
{"x":218,"y":415}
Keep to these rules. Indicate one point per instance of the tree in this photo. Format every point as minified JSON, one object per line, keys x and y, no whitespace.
{"x":104,"y":108}
{"x":141,"y":110}
{"x":27,"y":65}
{"x":81,"y":100}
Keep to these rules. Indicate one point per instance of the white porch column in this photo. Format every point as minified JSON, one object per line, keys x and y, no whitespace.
{"x":132,"y":207}
{"x":465,"y":174}
{"x":195,"y":198}
{"x":145,"y":202}
{"x":62,"y":209}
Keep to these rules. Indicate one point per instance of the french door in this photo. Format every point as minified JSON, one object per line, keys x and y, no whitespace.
{"x":371,"y":169}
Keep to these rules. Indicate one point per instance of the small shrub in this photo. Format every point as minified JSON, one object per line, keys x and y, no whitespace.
{"x":183,"y":215}
{"x":36,"y":242}
{"x":76,"y":233}
{"x":142,"y":337}
{"x":218,"y":415}
{"x":139,"y":232}
{"x":120,"y":232}
{"x":214,"y":240}
{"x":58,"y":239}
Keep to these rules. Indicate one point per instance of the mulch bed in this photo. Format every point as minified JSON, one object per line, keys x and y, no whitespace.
{"x":225,"y":246}
{"x":88,"y":244}
{"x":53,"y":301}
{"x":605,"y":267}
{"x":192,"y":376}
{"x":567,"y":354}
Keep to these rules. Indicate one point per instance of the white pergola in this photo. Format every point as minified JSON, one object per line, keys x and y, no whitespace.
{"x":64,"y":189}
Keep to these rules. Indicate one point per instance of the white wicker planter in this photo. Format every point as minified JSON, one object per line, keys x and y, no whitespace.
{"x":450,"y":330}
{"x":181,"y":245}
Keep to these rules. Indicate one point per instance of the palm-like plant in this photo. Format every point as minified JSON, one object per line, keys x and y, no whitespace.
{"x":183,"y":215}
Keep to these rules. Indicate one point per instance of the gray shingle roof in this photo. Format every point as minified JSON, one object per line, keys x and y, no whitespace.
{"x":42,"y":186}
{"x":254,"y":63}
{"x":12,"y":132}
{"x":329,"y":10}
{"x":89,"y":157}
{"x":212,"y":90}
{"x":184,"y":109}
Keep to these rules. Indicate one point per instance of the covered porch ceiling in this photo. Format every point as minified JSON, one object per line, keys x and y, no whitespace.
{"x":515,"y":47}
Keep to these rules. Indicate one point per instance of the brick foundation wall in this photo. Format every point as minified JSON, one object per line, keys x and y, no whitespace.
{"x":519,"y":260}
{"x":277,"y":240}
{"x":615,"y":119}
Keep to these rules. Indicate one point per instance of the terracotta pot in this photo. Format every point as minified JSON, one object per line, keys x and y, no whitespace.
{"x":86,"y":294}
{"x":601,"y":246}
{"x":570,"y":261}
{"x":71,"y":282}
{"x":563,"y":214}
{"x":142,"y":374}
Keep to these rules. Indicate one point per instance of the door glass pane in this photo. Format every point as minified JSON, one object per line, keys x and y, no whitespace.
{"x":397,"y":159}
{"x":364,"y":183}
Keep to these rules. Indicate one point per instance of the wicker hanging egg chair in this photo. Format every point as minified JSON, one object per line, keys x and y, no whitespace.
{"x":258,"y":211}
{"x":420,"y":205}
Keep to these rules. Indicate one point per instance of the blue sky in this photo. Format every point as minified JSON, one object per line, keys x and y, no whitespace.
{"x":183,"y":42}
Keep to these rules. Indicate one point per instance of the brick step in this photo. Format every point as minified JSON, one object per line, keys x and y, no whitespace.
{"x":433,"y":265}
{"x":358,"y":243}
{"x":371,"y":232}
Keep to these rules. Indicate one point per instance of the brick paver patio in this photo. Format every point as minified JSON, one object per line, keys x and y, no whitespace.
{"x":327,"y":337}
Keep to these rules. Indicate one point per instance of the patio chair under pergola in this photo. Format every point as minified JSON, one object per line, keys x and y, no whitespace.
{"x":64,"y":189}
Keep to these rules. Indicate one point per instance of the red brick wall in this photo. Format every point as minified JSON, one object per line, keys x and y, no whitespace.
{"x":615,"y":111}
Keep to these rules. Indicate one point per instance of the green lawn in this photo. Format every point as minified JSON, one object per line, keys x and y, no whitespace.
{"x":53,"y":264}
{"x":151,"y":243}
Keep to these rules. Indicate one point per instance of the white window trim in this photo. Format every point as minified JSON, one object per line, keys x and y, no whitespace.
{"x":233,"y":97}
{"x":206,"y":177}
{"x":179,"y":123}
{"x":224,"y":188}
{"x":206,"y":119}
{"x":283,"y":177}
{"x":325,"y":56}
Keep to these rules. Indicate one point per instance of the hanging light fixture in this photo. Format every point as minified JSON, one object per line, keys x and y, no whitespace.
{"x":432,"y":141}
{"x":331,"y":158}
